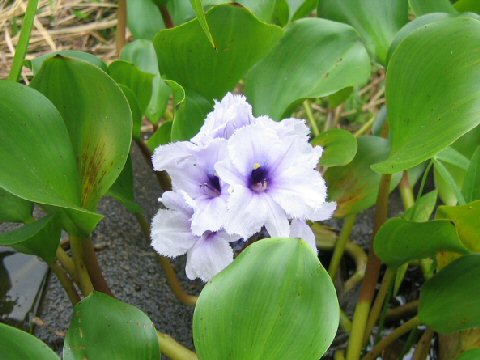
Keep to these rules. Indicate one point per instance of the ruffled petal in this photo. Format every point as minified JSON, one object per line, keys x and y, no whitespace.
{"x":179,"y":201}
{"x":299,"y":191}
{"x":231,"y":113}
{"x":299,"y":229}
{"x":171,"y":234}
{"x":209,"y":215}
{"x":277,"y":222}
{"x":210,"y":255}
{"x":170,"y":156}
{"x":324,"y":212}
{"x":247,"y":212}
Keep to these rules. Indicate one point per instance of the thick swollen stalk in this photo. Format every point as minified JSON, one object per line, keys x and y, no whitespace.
{"x":93,"y":268}
{"x":22,"y":46}
{"x":367,"y":290}
{"x":66,"y":283}
{"x":66,"y":262}
{"x":311,"y":119}
{"x":83,"y":277}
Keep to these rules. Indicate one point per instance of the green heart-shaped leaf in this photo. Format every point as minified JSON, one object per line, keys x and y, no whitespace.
{"x":421,"y":7}
{"x":13,"y":208}
{"x":97,"y":117}
{"x":340,"y":147}
{"x":465,"y":218}
{"x":275,"y":301}
{"x":355,"y":187}
{"x":160,"y":137}
{"x":144,"y":18}
{"x":16,"y":344}
{"x":142,"y":54}
{"x":140,"y":82}
{"x":39,"y":238}
{"x":81,"y":55}
{"x":377,"y":21}
{"x":241,"y":41}
{"x":190,"y":116}
{"x":399,"y":241}
{"x":428,"y":86}
{"x":449,"y":300}
{"x":423,"y":208}
{"x":105,"y":328}
{"x":471,"y":185}
{"x":123,"y":188}
{"x":37,"y":162}
{"x":331,"y":58}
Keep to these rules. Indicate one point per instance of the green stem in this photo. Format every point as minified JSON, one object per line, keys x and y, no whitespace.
{"x":66,"y":261}
{"x":173,"y":350}
{"x":423,"y":346}
{"x":365,"y":127}
{"x":65,"y":282}
{"x":356,"y":251}
{"x":406,"y":191}
{"x":345,"y":321}
{"x":340,"y":245}
{"x":367,"y":290}
{"x":395,"y":334}
{"x":411,"y":340}
{"x":401,"y":311}
{"x":311,"y":119}
{"x":80,"y":269}
{"x":340,"y":355}
{"x":22,"y":46}
{"x":167,"y":18}
{"x":424,"y":179}
{"x":170,"y":275}
{"x":379,"y":301}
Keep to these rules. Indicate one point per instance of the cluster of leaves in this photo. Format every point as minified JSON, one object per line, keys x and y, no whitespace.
{"x":66,"y":139}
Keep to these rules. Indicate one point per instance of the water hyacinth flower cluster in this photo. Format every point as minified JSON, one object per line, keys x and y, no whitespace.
{"x":240,"y":174}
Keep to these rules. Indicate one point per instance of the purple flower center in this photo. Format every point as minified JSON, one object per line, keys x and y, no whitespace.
{"x":212,"y":187}
{"x":258,"y":180}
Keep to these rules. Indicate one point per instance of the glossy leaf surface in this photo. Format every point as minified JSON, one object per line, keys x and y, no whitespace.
{"x":241,"y":41}
{"x":99,"y":122}
{"x":465,"y":218}
{"x":80,"y":55}
{"x":421,"y":7}
{"x":105,"y":328}
{"x":32,"y":168}
{"x":16,"y":344}
{"x":123,"y":189}
{"x":449,"y":300}
{"x":471,"y":185}
{"x":331,"y":58}
{"x":277,"y":302}
{"x":39,"y":238}
{"x":160,"y":137}
{"x":13,"y":208}
{"x":340,"y":147}
{"x":355,"y":187}
{"x":144,"y":18}
{"x":377,"y":21}
{"x":428,"y":86}
{"x":399,"y":241}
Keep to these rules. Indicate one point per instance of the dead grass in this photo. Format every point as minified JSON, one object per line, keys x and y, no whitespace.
{"x":85,"y":25}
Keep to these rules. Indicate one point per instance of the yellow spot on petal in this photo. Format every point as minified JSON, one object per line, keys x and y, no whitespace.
{"x":256,"y":166}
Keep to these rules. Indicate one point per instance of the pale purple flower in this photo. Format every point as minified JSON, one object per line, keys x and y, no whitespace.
{"x":194,"y":173}
{"x":300,"y":230}
{"x":171,"y":235}
{"x":272,"y":179}
{"x":231,"y":113}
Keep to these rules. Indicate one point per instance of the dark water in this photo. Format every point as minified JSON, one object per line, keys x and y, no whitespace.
{"x":22,"y":279}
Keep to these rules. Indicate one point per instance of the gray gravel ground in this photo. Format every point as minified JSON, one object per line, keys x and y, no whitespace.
{"x":130,"y":268}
